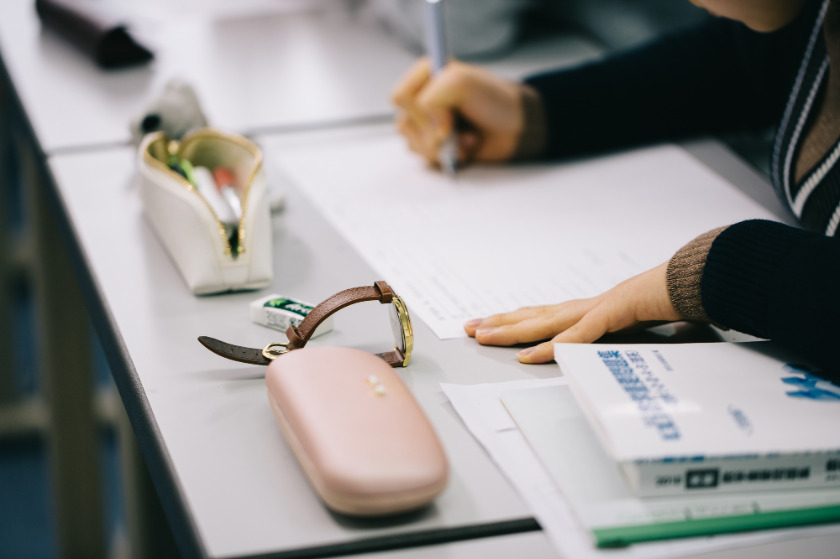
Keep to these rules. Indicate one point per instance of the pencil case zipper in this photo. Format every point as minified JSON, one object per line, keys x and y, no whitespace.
{"x":176,"y":148}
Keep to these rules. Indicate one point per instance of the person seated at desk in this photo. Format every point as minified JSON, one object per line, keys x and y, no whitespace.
{"x":758,"y":62}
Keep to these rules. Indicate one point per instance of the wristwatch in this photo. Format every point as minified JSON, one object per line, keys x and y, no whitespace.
{"x":298,"y":336}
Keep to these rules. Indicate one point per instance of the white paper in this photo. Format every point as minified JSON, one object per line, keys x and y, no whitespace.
{"x":482,"y":410}
{"x":500,"y":237}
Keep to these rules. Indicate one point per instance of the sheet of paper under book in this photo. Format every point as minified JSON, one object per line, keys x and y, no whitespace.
{"x":731,"y":437}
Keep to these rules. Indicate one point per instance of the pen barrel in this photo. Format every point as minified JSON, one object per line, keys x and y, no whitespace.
{"x":435,"y":34}
{"x":232,"y":200}
{"x":448,"y":155}
{"x":207,"y":188}
{"x":437,"y":51}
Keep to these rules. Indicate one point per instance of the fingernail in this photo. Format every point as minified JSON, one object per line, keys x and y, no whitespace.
{"x":484,"y":331}
{"x":525,"y":352}
{"x":474,"y":323}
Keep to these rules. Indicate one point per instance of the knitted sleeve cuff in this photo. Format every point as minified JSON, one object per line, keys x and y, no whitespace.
{"x":685,"y":275}
{"x":532,"y":140}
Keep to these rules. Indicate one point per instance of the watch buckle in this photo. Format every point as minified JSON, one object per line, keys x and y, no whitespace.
{"x":274,"y":350}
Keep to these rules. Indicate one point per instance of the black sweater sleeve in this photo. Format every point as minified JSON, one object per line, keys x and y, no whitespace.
{"x":778,"y":282}
{"x":711,"y":78}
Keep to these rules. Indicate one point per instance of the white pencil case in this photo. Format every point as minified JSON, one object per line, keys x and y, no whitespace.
{"x":210,"y":258}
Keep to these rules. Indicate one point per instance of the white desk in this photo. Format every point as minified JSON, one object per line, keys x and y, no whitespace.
{"x":292,"y":70}
{"x":229,"y":483}
{"x":274,"y":71}
{"x":230,"y":486}
{"x":203,"y":423}
{"x":531,"y":544}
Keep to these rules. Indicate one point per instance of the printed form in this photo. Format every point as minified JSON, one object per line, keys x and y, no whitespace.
{"x":499,"y":237}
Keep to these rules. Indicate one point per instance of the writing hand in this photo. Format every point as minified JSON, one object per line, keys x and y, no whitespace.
{"x":640,"y":299}
{"x":490,"y":107}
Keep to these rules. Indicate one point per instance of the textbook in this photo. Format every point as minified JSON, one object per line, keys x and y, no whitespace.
{"x":708,"y":418}
{"x":696,"y":474}
{"x":591,"y":482}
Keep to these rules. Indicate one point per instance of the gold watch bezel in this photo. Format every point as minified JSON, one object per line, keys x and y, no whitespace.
{"x":407,"y":331}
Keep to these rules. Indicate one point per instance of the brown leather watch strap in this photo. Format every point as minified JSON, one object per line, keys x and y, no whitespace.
{"x":380,"y":291}
{"x":298,"y":336}
{"x":249,"y":355}
{"x":394,"y":358}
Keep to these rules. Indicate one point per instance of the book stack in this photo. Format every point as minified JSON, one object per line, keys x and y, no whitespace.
{"x":686,"y":439}
{"x":709,"y":418}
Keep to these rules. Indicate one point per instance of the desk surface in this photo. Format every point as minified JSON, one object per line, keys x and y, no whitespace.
{"x":261,"y":72}
{"x":230,"y":485}
{"x":229,"y":481}
{"x":206,"y":422}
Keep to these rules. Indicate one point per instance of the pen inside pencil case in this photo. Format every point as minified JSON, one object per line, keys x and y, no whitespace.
{"x":226,"y":209}
{"x":208,"y":163}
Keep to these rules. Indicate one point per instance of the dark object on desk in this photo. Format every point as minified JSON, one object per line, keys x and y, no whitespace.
{"x":96,"y":32}
{"x":176,"y":111}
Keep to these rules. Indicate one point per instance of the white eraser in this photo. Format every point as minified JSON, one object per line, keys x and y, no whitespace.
{"x":280,"y":312}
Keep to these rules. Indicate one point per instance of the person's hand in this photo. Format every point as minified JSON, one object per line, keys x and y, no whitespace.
{"x":640,"y":299}
{"x":489,"y":110}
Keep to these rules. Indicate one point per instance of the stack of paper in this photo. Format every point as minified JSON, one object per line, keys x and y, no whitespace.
{"x":727,"y":400}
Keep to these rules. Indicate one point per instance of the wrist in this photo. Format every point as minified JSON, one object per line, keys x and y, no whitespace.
{"x":532,"y":137}
{"x":685,"y":275}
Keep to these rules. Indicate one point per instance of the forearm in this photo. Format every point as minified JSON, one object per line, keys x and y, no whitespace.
{"x":705,"y":80}
{"x":769,"y":280}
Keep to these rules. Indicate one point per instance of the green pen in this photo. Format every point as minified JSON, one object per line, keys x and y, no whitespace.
{"x":183,"y":167}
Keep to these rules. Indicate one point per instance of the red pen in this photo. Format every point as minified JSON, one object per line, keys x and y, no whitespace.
{"x":226,"y":183}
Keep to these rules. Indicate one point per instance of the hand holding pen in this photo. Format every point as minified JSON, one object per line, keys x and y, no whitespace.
{"x":488,"y":109}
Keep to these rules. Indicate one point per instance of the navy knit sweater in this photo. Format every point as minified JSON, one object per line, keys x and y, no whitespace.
{"x":760,"y":277}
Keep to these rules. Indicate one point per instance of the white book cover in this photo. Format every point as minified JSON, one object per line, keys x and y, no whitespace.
{"x":655,"y":402}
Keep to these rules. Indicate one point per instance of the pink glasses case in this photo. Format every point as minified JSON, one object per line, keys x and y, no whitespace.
{"x":356,"y":430}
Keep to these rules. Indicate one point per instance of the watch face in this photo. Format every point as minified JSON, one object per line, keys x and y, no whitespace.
{"x":401,"y":327}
